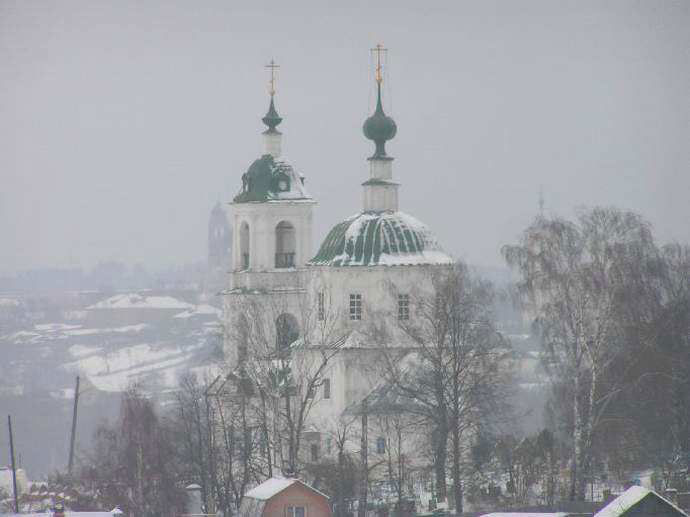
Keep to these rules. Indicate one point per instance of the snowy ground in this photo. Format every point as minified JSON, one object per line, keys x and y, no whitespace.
{"x":42,"y":353}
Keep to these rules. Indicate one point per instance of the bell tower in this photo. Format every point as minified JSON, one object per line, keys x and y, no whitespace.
{"x":271,"y":222}
{"x":272,"y":213}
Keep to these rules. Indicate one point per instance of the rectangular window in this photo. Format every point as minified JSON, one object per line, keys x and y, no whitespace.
{"x":326,"y":388}
{"x":314,"y":452}
{"x":403,"y":306}
{"x":321,"y":306}
{"x":295,"y":511}
{"x":356,"y":307}
{"x":329,"y":445}
{"x":380,"y":445}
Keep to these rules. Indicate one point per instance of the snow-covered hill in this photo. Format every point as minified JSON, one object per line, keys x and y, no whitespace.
{"x":112,"y":342}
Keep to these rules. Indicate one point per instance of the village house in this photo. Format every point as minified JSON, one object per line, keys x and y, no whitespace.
{"x":284,"y":497}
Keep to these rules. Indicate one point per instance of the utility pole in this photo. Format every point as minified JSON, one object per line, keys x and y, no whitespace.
{"x":14,"y":466}
{"x":364,"y":483}
{"x":74,"y":429}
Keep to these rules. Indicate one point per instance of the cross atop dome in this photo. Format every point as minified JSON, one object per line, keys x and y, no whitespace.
{"x":379,"y":49}
{"x":272,"y":119}
{"x":379,"y":127}
{"x":272,"y":83}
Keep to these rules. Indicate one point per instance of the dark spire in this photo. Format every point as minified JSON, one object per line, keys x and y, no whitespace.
{"x":272,"y":119}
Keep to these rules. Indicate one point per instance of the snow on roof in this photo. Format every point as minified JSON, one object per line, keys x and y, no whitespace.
{"x":524,"y":514}
{"x":67,"y":514}
{"x":628,"y":499}
{"x":274,"y":486}
{"x":137,"y":301}
{"x":380,"y":238}
{"x":269,"y":488}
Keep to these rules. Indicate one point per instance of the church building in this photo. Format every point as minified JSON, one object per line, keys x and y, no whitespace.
{"x":332,"y":301}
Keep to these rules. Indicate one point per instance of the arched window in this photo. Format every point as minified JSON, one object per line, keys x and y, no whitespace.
{"x":244,"y":245}
{"x":287,"y":331}
{"x":285,"y":245}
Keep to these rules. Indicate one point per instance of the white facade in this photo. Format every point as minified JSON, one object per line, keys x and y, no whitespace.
{"x":366,"y":272}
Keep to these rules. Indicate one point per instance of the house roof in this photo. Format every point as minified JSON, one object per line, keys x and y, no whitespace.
{"x":523,"y":514}
{"x":273,"y":486}
{"x":269,"y":488}
{"x":630,"y":498}
{"x":67,"y":514}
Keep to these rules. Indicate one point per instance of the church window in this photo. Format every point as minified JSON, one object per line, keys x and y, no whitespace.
{"x":314,"y":452}
{"x":321,"y":309}
{"x":285,"y":245}
{"x":287,"y":332}
{"x":380,"y":445}
{"x":244,"y":245}
{"x":356,"y":307}
{"x":327,"y":388}
{"x":403,"y":307}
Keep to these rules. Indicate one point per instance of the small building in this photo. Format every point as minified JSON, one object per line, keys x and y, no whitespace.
{"x":637,"y":501}
{"x":284,"y":497}
{"x":526,"y":514}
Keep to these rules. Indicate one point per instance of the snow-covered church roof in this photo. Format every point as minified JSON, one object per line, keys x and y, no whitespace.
{"x":271,"y":179}
{"x":390,"y":238}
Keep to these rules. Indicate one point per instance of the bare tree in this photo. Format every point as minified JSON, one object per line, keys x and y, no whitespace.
{"x":133,"y":463}
{"x":450,"y":372}
{"x":217,"y":441}
{"x":286,"y":349}
{"x":576,"y":279}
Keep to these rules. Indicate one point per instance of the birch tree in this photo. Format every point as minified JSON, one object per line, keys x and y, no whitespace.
{"x":576,"y":279}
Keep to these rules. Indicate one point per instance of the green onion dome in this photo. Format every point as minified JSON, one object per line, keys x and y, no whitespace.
{"x":272,"y":119}
{"x":380,"y":239}
{"x":379,"y":128}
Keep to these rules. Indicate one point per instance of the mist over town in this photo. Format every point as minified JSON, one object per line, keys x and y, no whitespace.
{"x":308,"y":259}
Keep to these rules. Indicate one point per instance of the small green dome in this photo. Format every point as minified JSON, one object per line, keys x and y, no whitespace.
{"x":380,"y":239}
{"x":379,"y":128}
{"x":272,"y":119}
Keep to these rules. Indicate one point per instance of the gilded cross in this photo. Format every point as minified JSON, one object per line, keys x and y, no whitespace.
{"x":272,"y":84}
{"x":379,"y":49}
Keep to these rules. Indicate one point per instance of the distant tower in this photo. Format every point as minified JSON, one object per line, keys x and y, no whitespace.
{"x":219,"y":239}
{"x":219,"y":249}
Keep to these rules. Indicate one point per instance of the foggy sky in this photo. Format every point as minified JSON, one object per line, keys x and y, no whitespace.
{"x":123,"y":122}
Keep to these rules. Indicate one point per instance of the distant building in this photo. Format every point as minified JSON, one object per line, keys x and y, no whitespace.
{"x":284,"y":497}
{"x":219,"y":249}
{"x":6,"y":480}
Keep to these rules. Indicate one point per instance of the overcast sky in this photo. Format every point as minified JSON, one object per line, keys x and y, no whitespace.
{"x":122,"y":122}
